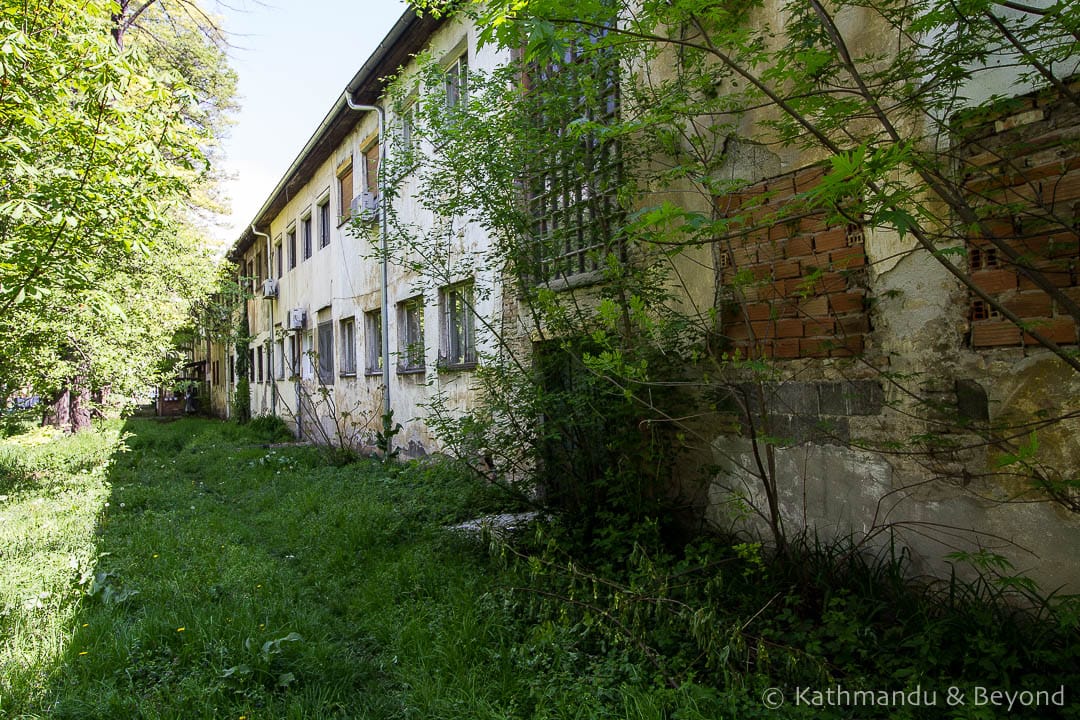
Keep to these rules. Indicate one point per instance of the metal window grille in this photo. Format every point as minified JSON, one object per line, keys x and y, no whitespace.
{"x":572,"y":189}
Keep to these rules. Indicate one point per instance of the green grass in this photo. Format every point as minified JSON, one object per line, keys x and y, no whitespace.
{"x":191,"y":570}
{"x":184,"y":570}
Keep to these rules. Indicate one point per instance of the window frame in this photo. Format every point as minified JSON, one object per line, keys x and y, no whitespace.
{"x":457,"y":326}
{"x":307,"y":246}
{"x":290,"y":237}
{"x":323,"y":209}
{"x":456,"y":81}
{"x":345,"y":203}
{"x":324,"y":337}
{"x":293,"y":370}
{"x":307,"y":349}
{"x":279,"y":348}
{"x":373,"y":342}
{"x":347,"y":346}
{"x":411,"y":336}
{"x":407,"y":117}
{"x":371,"y":179}
{"x":575,"y":214}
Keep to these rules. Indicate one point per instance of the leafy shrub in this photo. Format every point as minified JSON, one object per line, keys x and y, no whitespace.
{"x":271,"y":428}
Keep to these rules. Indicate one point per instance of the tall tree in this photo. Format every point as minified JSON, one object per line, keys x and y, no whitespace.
{"x":101,"y":148}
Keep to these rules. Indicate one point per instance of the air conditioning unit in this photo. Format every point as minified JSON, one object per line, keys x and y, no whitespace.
{"x":270,"y":288}
{"x":365,"y":206}
{"x":296,"y":318}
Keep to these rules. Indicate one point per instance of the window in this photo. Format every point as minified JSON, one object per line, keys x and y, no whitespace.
{"x":279,"y":260}
{"x":458,"y":342}
{"x":251,"y":365}
{"x":407,"y":123}
{"x":260,"y":268}
{"x":345,"y":192}
{"x":411,"y":335}
{"x":259,"y":365}
{"x":279,"y":351}
{"x":305,"y":236}
{"x":294,"y":354}
{"x":373,"y":342}
{"x":326,"y":353}
{"x":290,"y":240}
{"x":307,"y":369}
{"x":232,"y":369}
{"x":572,"y":188}
{"x":371,"y":170}
{"x":348,"y":346}
{"x":455,"y":80}
{"x":324,"y":223}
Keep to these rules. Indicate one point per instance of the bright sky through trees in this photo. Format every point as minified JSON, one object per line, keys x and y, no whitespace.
{"x":294,"y":59}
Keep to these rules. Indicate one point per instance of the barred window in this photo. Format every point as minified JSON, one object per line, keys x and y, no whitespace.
{"x":572,"y":188}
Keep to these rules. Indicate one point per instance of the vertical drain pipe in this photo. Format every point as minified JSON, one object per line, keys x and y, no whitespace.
{"x":383,"y":231}
{"x":270,"y":318}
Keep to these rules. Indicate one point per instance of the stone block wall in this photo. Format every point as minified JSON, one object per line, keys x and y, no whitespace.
{"x":794,"y":412}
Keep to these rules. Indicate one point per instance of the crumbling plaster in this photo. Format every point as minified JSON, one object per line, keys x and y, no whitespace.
{"x":835,"y":489}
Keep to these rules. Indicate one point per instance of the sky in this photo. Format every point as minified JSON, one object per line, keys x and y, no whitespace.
{"x":293,"y":58}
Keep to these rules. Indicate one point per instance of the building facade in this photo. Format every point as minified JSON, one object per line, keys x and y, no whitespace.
{"x":340,"y":336}
{"x":834,"y":341}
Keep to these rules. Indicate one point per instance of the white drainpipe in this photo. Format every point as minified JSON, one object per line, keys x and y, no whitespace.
{"x":383,"y":231}
{"x":270,"y":317}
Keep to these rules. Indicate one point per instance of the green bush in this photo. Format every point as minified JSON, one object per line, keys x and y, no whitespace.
{"x":271,"y":428}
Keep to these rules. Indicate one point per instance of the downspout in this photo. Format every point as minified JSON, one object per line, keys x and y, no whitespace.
{"x":383,"y":232}
{"x":270,"y":325}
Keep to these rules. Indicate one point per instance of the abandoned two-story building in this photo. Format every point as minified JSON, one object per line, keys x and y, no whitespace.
{"x":894,"y":387}
{"x":340,"y":336}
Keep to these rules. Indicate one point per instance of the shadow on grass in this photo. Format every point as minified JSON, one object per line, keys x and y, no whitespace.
{"x":230,"y":579}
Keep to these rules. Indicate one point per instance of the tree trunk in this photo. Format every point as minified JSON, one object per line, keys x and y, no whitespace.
{"x":58,"y":411}
{"x":80,"y":402}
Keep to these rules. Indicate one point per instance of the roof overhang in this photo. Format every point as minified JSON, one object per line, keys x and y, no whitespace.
{"x":407,"y":37}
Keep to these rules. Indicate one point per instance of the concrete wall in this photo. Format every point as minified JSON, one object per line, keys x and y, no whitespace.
{"x":898,"y":391}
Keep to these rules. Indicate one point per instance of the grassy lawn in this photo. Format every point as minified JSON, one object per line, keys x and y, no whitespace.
{"x":187,"y":570}
{"x":192,"y":570}
{"x":184,"y":570}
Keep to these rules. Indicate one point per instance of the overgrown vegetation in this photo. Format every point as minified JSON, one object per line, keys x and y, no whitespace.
{"x":605,"y":164}
{"x":186,"y":569}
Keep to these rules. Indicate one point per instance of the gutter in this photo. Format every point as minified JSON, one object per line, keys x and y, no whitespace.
{"x":270,"y":325}
{"x":366,"y":85}
{"x":385,"y":309}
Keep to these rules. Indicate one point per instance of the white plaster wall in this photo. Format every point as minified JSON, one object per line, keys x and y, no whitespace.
{"x":345,"y":279}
